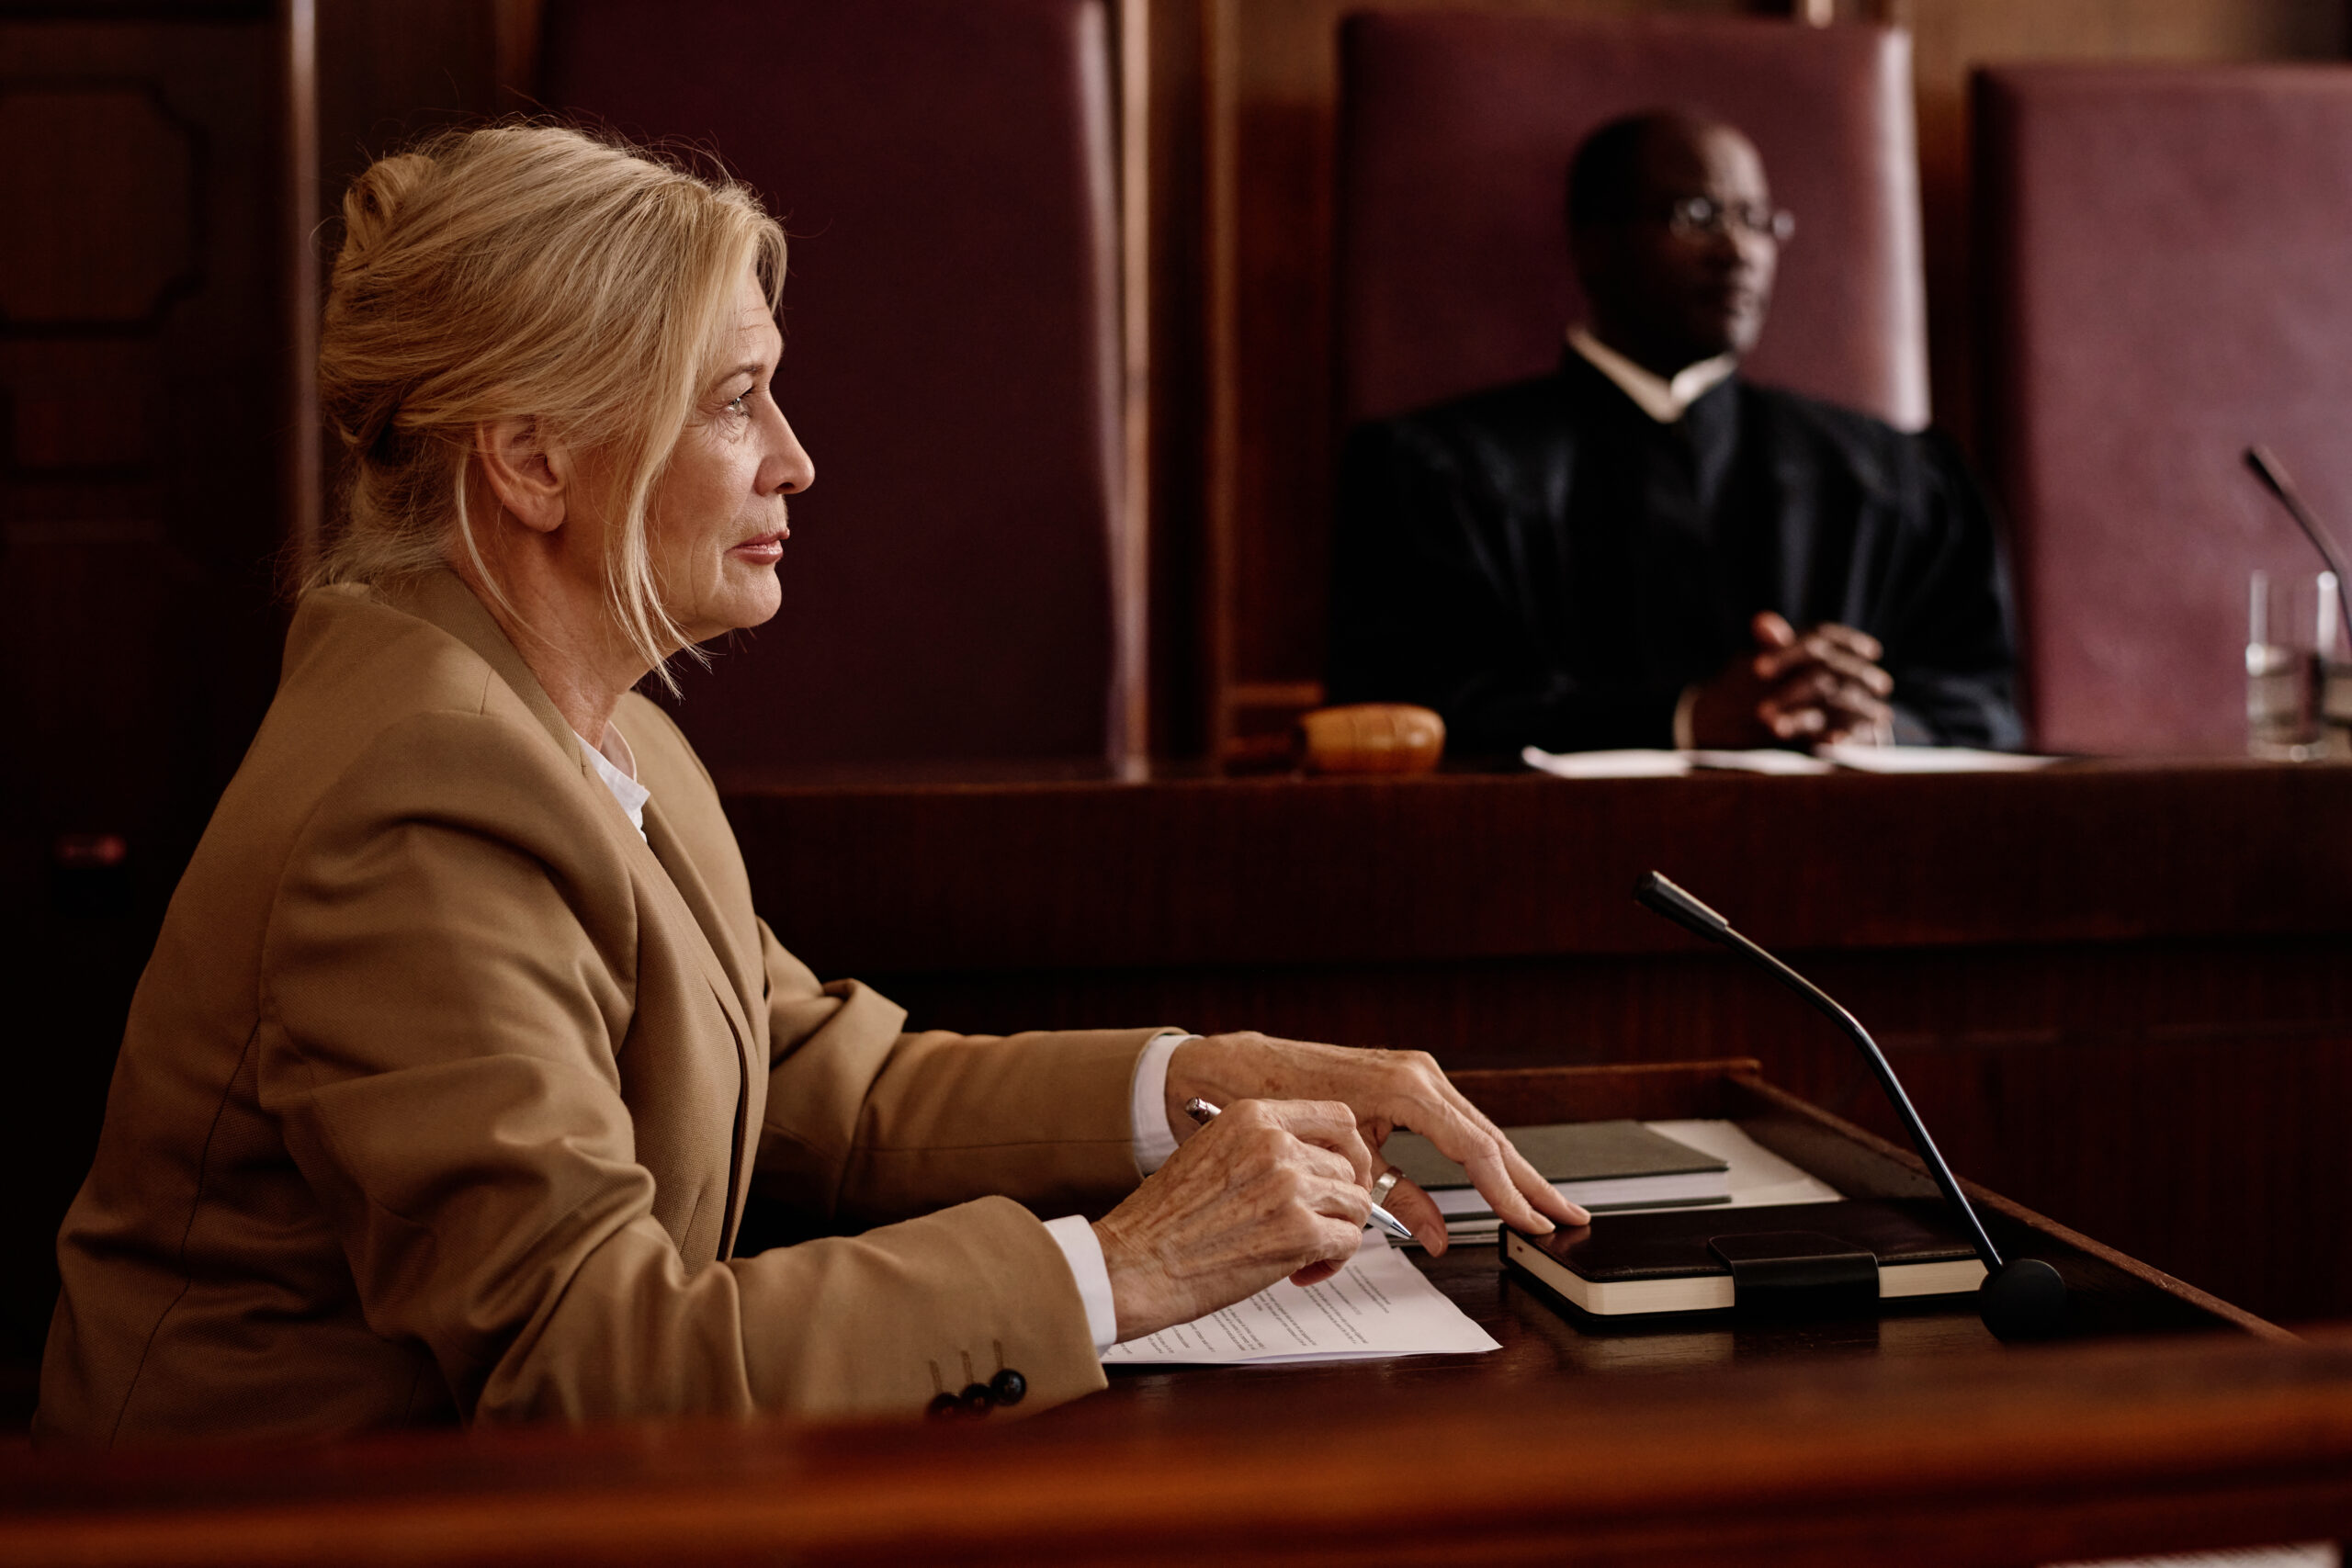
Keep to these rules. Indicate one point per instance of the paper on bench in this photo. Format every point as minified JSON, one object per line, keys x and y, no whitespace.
{"x":1378,"y":1305}
{"x":1633,"y":764}
{"x":1648,"y":764}
{"x":1759,"y":1177}
{"x":1931,"y":760}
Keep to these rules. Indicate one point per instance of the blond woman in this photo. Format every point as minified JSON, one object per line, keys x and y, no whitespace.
{"x":462,"y":1046}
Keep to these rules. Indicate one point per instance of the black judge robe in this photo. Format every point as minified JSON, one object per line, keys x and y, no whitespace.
{"x":1544,"y":564}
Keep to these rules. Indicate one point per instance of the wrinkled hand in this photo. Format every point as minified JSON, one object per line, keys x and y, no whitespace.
{"x":1822,"y":683}
{"x":1270,"y":1187}
{"x":1384,"y":1090}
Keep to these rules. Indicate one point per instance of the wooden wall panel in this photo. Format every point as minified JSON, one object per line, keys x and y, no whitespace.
{"x":1175,"y":276}
{"x":141,"y":412}
{"x":391,"y":69}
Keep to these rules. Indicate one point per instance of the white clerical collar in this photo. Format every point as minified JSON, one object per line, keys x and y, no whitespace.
{"x":617,"y":765}
{"x":1663,"y":400}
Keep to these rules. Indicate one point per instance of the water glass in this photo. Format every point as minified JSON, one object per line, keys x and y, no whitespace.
{"x":2298,"y":680}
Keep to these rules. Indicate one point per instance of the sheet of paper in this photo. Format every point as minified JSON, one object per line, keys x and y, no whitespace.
{"x":2309,"y":1554}
{"x":1378,"y":1305}
{"x":1759,"y":1177}
{"x":1931,"y":760}
{"x":1761,"y":760}
{"x":1607,"y":765}
{"x":1643,"y":764}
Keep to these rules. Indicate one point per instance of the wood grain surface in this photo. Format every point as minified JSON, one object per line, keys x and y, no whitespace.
{"x":1074,"y":875}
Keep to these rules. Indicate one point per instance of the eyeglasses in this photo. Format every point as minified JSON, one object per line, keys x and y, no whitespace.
{"x":1697,"y":217}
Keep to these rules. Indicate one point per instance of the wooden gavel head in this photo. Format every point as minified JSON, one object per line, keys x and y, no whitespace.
{"x":1371,"y":737}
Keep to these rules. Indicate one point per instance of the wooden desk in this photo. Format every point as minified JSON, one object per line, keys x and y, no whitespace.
{"x":2169,"y":944}
{"x":1915,"y":1439}
{"x":2110,"y":1294}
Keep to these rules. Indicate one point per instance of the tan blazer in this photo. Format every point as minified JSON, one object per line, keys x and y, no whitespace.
{"x":443,"y":1091}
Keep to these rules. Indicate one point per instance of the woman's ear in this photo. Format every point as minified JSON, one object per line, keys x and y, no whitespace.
{"x":530,"y":475}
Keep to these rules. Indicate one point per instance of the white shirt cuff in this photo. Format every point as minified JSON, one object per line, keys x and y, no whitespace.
{"x":1083,"y":1252}
{"x":1688,"y":700}
{"x":1147,"y":1100}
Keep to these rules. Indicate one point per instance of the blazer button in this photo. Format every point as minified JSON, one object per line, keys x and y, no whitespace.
{"x":976,"y":1400}
{"x":944,"y":1407}
{"x":1010,"y":1387}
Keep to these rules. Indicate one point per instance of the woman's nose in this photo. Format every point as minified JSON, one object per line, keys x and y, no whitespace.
{"x":790,"y":468}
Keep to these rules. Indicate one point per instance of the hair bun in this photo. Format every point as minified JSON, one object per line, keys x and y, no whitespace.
{"x":372,"y":206}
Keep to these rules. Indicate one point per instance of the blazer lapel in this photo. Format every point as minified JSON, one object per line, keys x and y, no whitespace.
{"x":735,"y":992}
{"x":443,"y":598}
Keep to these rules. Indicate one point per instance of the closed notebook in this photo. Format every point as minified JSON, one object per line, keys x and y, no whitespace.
{"x":1601,"y":1164}
{"x":1661,"y":1262}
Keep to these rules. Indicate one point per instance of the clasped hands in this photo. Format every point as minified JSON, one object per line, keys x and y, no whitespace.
{"x":1278,"y":1185}
{"x":1821,"y":684}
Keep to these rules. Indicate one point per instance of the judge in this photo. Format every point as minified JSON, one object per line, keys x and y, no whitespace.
{"x":1646,"y":548}
{"x":462,"y":1046}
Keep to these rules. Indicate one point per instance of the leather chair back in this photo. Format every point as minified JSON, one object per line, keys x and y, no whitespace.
{"x":2167,"y":252}
{"x":944,"y":169}
{"x":1456,"y":134}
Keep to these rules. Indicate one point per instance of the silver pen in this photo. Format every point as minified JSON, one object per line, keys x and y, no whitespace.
{"x":1201,"y":1111}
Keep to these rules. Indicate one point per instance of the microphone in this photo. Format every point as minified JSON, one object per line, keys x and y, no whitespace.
{"x":2020,"y":1299}
{"x":2273,"y":474}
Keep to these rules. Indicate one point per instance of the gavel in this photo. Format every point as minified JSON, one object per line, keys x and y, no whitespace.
{"x":1369,"y":738}
{"x":1360,"y":738}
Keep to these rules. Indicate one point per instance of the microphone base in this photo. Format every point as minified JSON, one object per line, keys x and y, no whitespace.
{"x":2024,"y":1300}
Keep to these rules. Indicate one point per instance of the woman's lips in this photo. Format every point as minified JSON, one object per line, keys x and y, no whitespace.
{"x":765,"y":550}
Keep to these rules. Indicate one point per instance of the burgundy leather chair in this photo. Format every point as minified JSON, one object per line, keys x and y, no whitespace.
{"x":2167,"y":254}
{"x":1456,"y":134}
{"x":944,"y":168}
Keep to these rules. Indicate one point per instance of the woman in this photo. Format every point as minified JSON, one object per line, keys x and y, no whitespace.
{"x":461,"y":1046}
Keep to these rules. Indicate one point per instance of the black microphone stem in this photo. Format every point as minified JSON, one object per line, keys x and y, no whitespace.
{"x":1887,"y":1081}
{"x":2023,"y":1300}
{"x":2273,"y":474}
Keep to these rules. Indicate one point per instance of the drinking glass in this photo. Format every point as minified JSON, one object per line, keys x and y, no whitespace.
{"x":2298,"y":682}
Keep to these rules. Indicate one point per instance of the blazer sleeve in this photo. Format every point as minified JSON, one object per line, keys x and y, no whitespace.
{"x":867,"y":1121}
{"x":444,"y":1022}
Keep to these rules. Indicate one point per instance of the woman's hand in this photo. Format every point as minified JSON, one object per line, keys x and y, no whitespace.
{"x":1384,"y":1090}
{"x":1268,"y":1188}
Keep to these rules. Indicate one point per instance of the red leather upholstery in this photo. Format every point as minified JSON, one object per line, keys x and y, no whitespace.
{"x":2168,"y":256}
{"x":1457,"y":129}
{"x":944,"y":168}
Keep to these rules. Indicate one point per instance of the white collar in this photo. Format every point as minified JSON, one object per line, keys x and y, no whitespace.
{"x":617,"y":765}
{"x":1663,"y":400}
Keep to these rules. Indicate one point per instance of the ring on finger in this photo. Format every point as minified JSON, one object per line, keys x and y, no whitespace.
{"x":1386,"y":1183}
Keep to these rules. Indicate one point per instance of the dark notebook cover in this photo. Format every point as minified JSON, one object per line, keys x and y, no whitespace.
{"x":1660,"y":1260}
{"x":1561,"y":1151}
{"x":1665,"y":1244}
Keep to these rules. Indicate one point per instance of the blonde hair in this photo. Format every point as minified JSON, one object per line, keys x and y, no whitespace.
{"x":523,"y":270}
